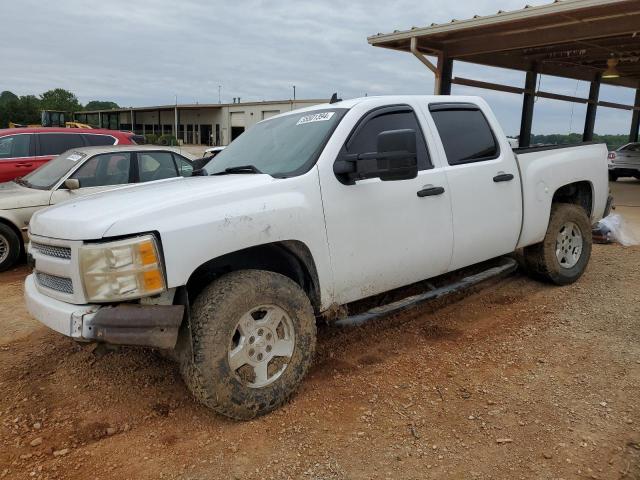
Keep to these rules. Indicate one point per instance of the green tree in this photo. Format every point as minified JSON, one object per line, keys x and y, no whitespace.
{"x":60,"y":99}
{"x":23,"y":110}
{"x":100,"y":105}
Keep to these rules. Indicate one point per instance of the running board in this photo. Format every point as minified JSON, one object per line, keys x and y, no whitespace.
{"x":507,"y":265}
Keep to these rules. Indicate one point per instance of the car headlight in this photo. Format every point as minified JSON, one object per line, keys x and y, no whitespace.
{"x":122,"y":270}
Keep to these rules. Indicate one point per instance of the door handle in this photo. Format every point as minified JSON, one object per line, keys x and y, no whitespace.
{"x":503,"y":177}
{"x":25,"y":165}
{"x":430,"y":191}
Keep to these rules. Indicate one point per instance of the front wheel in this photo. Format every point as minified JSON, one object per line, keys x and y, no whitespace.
{"x":563,"y":255}
{"x":253,"y":339}
{"x":9,"y":248}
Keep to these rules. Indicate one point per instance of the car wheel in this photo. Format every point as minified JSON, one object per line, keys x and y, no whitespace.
{"x":563,"y":255}
{"x":9,"y":248}
{"x":253,"y":340}
{"x":613,"y":176}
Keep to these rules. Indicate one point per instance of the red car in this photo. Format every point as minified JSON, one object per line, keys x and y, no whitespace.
{"x":25,"y":149}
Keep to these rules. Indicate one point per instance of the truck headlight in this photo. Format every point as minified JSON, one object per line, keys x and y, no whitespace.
{"x":121,"y":270}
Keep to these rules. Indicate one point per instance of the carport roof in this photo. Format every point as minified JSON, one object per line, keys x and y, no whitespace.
{"x":567,"y":38}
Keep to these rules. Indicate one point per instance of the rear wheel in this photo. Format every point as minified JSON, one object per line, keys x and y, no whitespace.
{"x":9,"y":248}
{"x":253,"y":338}
{"x":563,"y":255}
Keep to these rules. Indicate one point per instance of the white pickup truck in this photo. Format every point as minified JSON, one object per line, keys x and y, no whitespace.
{"x":303,"y":213}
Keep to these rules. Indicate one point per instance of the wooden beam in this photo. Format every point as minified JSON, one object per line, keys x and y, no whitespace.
{"x":487,"y":85}
{"x":592,"y":107}
{"x":635,"y":120}
{"x":564,"y":98}
{"x":619,"y":106}
{"x":528,"y":102}
{"x":445,"y":66}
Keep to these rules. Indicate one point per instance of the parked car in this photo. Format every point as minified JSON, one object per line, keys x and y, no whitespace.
{"x":625,"y":162}
{"x":303,"y":213}
{"x":78,"y":172}
{"x":208,"y":155}
{"x":22,"y":150}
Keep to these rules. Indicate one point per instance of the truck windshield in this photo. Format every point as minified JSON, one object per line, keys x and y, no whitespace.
{"x":281,"y":147}
{"x":50,"y":173}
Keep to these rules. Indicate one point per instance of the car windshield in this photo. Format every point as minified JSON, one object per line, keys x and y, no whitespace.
{"x":50,"y":173}
{"x":281,"y":147}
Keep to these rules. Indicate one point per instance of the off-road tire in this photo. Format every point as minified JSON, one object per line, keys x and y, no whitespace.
{"x":9,"y":238}
{"x":214,"y":316}
{"x":541,"y":260}
{"x":613,"y":176}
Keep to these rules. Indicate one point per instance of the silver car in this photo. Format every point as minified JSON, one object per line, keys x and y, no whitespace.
{"x":625,"y":162}
{"x":80,"y":171}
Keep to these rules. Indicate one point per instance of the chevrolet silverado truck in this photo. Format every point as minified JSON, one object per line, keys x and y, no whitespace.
{"x":304,"y":213}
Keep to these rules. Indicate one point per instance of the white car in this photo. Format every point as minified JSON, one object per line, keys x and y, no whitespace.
{"x":625,"y":162}
{"x":75,"y":173}
{"x":306,"y":212}
{"x":212,"y":151}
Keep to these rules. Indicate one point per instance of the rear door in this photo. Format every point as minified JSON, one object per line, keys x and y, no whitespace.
{"x":628,"y":157}
{"x":51,"y":144}
{"x":385,"y":235}
{"x":484,"y":181}
{"x":16,"y":156}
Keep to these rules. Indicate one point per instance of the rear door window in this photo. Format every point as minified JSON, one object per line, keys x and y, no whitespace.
{"x":99,"y":140}
{"x":184,"y":167}
{"x":105,"y":169}
{"x":16,"y":146}
{"x":56,"y":143}
{"x":465,"y":133}
{"x":155,"y":166}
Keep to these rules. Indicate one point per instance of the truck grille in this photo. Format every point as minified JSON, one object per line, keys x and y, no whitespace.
{"x":59,"y":284}
{"x":52,"y":251}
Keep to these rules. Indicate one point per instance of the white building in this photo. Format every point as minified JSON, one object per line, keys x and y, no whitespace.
{"x":206,"y":124}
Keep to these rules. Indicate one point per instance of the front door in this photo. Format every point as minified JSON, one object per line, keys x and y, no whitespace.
{"x":484,"y":181}
{"x":382,"y":235}
{"x":99,"y":173}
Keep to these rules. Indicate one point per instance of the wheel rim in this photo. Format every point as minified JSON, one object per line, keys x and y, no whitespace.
{"x":4,"y":248}
{"x":569,"y":245}
{"x":261,"y":346}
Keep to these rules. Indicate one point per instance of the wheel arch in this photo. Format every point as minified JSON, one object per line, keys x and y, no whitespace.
{"x":578,"y":193}
{"x":291,"y":258}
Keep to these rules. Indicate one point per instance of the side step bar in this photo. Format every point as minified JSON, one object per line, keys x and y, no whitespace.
{"x":507,"y":265}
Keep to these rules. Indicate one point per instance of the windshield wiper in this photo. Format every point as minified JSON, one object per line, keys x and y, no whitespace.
{"x":239,"y":169}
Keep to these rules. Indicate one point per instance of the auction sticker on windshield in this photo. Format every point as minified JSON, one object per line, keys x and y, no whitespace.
{"x":316,"y":117}
{"x":74,"y":157}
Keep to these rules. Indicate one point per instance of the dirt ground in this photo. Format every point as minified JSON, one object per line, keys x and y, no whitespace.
{"x":517,"y":381}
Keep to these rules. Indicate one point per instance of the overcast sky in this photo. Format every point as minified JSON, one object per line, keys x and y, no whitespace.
{"x":140,"y":53}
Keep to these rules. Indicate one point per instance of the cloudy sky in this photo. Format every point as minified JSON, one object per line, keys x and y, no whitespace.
{"x":139,"y":53}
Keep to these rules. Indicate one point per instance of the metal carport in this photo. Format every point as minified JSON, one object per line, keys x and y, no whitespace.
{"x":577,"y":39}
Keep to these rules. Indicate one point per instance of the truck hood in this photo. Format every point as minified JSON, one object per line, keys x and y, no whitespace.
{"x":91,"y":217}
{"x":13,"y":196}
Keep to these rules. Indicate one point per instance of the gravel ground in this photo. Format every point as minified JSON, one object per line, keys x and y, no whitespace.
{"x":519,"y":380}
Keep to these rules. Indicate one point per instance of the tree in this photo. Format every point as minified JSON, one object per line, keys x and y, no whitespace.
{"x":100,"y":105}
{"x":23,"y":110}
{"x":60,"y":99}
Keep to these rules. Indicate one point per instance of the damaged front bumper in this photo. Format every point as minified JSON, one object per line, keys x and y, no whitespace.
{"x":124,"y":324}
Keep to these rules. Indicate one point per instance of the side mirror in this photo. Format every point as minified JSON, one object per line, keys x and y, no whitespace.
{"x":72,"y":183}
{"x":395,"y":159}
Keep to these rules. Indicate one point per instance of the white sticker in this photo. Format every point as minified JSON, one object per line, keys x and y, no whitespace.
{"x":316,"y":117}
{"x":74,"y":157}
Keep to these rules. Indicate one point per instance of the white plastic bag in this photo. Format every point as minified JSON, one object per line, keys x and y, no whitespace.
{"x":618,"y":230}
